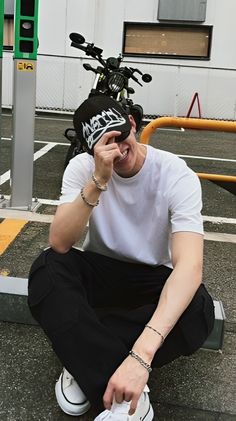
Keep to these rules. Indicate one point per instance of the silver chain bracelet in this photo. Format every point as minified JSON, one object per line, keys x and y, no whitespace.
{"x":141,"y":361}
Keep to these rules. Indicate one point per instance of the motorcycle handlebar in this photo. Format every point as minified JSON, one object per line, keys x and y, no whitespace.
{"x":136,"y":80}
{"x":95,"y":52}
{"x":90,"y":50}
{"x":79,"y":46}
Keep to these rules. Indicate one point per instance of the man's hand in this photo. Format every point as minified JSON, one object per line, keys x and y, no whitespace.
{"x":105,"y":152}
{"x":127,"y":383}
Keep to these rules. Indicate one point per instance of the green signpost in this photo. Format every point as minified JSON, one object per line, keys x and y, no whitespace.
{"x":24,"y":98}
{"x":26,"y":29}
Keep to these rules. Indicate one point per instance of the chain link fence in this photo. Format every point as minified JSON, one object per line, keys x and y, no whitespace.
{"x":63,"y":83}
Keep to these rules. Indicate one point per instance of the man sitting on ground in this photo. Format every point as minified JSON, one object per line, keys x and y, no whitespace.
{"x":133,"y":299}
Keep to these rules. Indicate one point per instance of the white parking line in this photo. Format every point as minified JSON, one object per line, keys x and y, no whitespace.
{"x":25,"y":215}
{"x":219,"y":220}
{"x":37,"y":217}
{"x":220,"y":236}
{"x":41,"y":201}
{"x":206,"y":218}
{"x":44,"y":142}
{"x":48,"y":118}
{"x":208,"y":158}
{"x":57,"y":144}
{"x":6,"y":176}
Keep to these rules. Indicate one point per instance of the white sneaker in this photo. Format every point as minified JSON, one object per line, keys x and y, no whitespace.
{"x":69,"y":396}
{"x":119,"y":412}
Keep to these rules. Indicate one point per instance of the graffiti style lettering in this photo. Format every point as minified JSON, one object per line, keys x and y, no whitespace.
{"x":99,"y":124}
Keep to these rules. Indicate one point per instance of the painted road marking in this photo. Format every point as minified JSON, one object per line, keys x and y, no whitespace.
{"x":25,"y":215}
{"x":49,"y":118}
{"x":208,"y":158}
{"x":6,"y":176}
{"x":220,"y":236}
{"x":8,"y":213}
{"x":9,"y":229}
{"x":16,"y":215}
{"x":41,"y":201}
{"x":219,"y":220}
{"x":44,"y":142}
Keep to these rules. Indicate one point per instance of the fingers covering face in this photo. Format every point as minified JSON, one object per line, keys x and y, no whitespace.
{"x":107,"y":137}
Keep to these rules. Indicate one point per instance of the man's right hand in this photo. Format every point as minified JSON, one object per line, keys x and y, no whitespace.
{"x":105,"y":152}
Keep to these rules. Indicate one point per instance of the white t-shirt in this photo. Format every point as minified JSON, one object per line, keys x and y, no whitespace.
{"x":136,"y":215}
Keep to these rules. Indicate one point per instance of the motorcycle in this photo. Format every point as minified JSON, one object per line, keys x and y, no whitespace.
{"x":111,"y":79}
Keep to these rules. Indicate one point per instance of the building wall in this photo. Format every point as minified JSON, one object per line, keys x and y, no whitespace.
{"x":63,"y":84}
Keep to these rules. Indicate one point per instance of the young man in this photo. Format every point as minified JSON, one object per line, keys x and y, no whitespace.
{"x":133,"y":298}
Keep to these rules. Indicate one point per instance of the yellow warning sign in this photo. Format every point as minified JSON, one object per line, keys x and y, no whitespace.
{"x":25,"y":66}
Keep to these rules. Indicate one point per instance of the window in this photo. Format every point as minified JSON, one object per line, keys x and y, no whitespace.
{"x":182,"y":10}
{"x":8,"y":34}
{"x":167,"y":40}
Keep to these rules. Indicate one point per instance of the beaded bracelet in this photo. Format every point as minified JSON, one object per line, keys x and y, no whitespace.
{"x":141,"y":361}
{"x":98,"y":185}
{"x":92,"y":205}
{"x":156,"y":331}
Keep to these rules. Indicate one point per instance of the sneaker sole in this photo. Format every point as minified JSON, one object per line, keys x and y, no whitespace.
{"x":67,"y":407}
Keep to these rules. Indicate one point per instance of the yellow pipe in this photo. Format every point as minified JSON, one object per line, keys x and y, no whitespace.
{"x":217,"y":177}
{"x":188,"y":123}
{"x":191,"y":123}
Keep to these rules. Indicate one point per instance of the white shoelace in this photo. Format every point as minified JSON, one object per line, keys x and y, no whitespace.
{"x":68,"y":378}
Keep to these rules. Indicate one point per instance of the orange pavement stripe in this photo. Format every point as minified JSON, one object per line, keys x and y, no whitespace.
{"x":9,"y":229}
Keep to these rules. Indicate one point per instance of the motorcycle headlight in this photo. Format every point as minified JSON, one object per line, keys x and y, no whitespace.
{"x":116,"y":82}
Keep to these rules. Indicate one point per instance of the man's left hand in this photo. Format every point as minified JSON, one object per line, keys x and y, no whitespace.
{"x":127,"y":383}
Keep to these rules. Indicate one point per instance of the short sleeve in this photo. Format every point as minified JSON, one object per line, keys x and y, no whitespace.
{"x":77,"y":174}
{"x":185,"y":202}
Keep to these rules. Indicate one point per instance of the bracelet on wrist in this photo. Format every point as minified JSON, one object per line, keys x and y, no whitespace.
{"x":140,"y":360}
{"x":92,"y":205}
{"x":156,"y":331}
{"x":99,"y":185}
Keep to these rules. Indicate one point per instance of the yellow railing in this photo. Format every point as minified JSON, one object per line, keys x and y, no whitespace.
{"x":192,"y":123}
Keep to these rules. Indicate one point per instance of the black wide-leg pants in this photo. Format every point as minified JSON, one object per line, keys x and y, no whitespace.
{"x":93,"y":308}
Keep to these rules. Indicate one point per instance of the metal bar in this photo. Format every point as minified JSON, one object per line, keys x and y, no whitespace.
{"x":23,"y":135}
{"x":192,"y":123}
{"x":24,"y":99}
{"x":217,"y":177}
